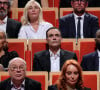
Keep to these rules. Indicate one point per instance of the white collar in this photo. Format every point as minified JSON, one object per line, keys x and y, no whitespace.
{"x":76,"y":16}
{"x":98,"y":53}
{"x":52,"y":54}
{"x":5,"y":19}
{"x":22,"y":84}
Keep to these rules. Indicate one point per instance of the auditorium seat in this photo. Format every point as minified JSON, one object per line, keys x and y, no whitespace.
{"x":12,"y":13}
{"x":53,"y":3}
{"x":49,"y":14}
{"x":41,"y":77}
{"x":86,"y":46}
{"x":18,"y":45}
{"x":90,"y":79}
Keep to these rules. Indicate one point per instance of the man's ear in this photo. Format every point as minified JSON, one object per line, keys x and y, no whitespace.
{"x":72,"y":3}
{"x":86,"y":4}
{"x":95,"y":39}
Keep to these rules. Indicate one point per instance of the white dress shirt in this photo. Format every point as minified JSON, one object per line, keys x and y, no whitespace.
{"x":55,"y":61}
{"x":81,"y":21}
{"x":28,"y":32}
{"x":99,"y":58}
{"x":20,"y":88}
{"x":4,"y":24}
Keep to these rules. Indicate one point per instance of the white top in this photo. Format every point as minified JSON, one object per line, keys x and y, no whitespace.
{"x":20,"y":88}
{"x":4,"y":24}
{"x":99,"y":58}
{"x":81,"y":23}
{"x":28,"y":32}
{"x":55,"y":61}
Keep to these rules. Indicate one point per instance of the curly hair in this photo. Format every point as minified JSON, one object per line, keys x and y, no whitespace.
{"x":61,"y":83}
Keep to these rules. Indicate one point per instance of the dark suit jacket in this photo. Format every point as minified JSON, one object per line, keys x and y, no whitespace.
{"x":4,"y":60}
{"x":90,"y":62}
{"x":12,"y":28}
{"x":29,"y":84}
{"x":68,"y":28}
{"x":54,"y":87}
{"x":41,"y":61}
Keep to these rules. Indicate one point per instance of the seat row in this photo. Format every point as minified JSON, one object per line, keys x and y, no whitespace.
{"x":91,"y":79}
{"x":27,"y":48}
{"x":52,"y":14}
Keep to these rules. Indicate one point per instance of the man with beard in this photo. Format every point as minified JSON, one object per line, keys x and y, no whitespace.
{"x":79,"y":24}
{"x":91,"y":62}
{"x":10,"y":26}
{"x":52,"y":59}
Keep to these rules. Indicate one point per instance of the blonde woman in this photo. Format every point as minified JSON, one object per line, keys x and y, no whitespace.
{"x":34,"y":27}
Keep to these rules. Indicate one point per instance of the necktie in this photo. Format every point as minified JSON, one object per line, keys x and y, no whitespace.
{"x":78,"y":27}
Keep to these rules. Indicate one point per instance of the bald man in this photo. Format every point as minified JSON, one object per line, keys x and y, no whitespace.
{"x":18,"y":79}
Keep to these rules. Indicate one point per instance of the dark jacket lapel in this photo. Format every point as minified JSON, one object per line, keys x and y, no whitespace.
{"x":85,"y":25}
{"x":72,"y":25}
{"x":47,"y":60}
{"x":8,"y":29}
{"x":8,"y":84}
{"x":96,"y":61}
{"x":61,"y":58}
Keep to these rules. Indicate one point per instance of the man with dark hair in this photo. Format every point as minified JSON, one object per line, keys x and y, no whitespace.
{"x":51,"y":60}
{"x":79,"y":24}
{"x":91,"y":62}
{"x":10,"y":26}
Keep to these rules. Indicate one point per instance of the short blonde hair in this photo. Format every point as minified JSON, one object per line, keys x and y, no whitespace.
{"x":25,"y":18}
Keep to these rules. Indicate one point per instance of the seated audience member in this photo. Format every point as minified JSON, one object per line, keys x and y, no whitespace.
{"x":79,"y":24}
{"x":5,"y":56}
{"x":70,"y":78}
{"x":91,"y":3}
{"x":51,"y":60}
{"x":91,"y":61}
{"x":33,"y":25}
{"x":10,"y":26}
{"x":18,"y":79}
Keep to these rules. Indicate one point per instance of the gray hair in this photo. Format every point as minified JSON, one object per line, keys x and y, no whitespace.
{"x":16,"y":58}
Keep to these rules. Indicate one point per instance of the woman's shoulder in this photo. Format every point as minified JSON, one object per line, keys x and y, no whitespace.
{"x":13,"y":53}
{"x":46,"y":23}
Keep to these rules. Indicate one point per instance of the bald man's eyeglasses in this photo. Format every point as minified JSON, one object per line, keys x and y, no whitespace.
{"x":15,"y":68}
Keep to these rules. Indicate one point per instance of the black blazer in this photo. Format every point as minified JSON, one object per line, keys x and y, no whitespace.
{"x":41,"y":61}
{"x":90,"y":62}
{"x":68,"y":28}
{"x":54,"y":87}
{"x":12,"y":28}
{"x":29,"y":84}
{"x":4,"y":60}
